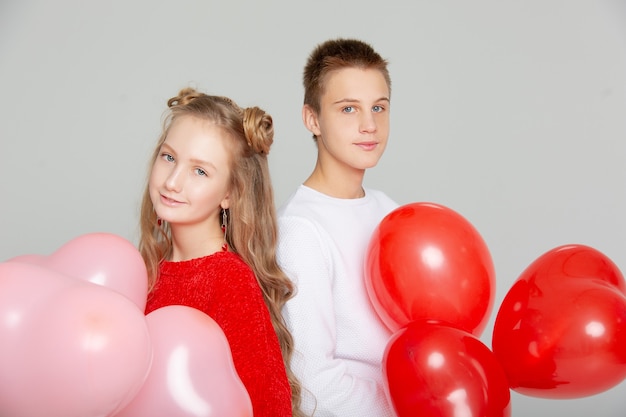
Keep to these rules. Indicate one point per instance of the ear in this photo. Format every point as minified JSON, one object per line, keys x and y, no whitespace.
{"x":225,"y":203}
{"x":310,"y":120}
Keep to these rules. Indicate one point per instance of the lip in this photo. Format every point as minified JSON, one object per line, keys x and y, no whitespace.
{"x":170,"y":201}
{"x":367,"y":146}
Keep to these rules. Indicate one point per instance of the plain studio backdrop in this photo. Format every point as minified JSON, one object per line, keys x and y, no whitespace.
{"x":512,"y":113}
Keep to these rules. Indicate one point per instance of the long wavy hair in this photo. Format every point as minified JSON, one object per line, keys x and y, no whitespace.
{"x":251,"y":229}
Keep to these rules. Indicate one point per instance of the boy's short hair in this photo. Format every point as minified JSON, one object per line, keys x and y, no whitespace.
{"x":333,"y":55}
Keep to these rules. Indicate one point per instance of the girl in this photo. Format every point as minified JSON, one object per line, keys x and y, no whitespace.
{"x":208,"y":238}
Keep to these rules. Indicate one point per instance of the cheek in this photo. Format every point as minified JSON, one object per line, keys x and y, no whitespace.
{"x":383,"y":124}
{"x":159,"y":173}
{"x":154,"y":184}
{"x":333,"y":126}
{"x":336,"y":133}
{"x":152,"y":180}
{"x":212,"y":197}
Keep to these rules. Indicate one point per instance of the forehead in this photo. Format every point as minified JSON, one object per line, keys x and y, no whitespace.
{"x":188,"y":127}
{"x":196,"y":138}
{"x":355,"y":83}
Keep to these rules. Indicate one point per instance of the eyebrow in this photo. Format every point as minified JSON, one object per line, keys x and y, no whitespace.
{"x":354,"y":100}
{"x":195,"y":161}
{"x":203,"y":163}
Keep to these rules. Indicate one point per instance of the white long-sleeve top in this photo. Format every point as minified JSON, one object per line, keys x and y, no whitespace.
{"x":339,"y":338}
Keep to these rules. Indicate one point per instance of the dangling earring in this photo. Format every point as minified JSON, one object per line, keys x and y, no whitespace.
{"x":224,"y":223}
{"x":159,"y":221}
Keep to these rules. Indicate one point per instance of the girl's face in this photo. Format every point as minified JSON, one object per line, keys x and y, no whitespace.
{"x":189,"y":179}
{"x":352,"y":126}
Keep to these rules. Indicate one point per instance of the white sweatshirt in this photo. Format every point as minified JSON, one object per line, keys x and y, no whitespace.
{"x":339,"y":338}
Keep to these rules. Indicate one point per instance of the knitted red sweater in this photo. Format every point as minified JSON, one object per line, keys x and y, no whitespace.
{"x":224,"y":287}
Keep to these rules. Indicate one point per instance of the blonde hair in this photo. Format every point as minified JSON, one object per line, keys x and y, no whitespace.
{"x":251,"y":229}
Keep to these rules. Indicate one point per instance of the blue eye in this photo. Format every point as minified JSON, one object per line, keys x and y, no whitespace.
{"x":201,"y":172}
{"x":167,"y":157}
{"x":348,"y":109}
{"x":377,"y":109}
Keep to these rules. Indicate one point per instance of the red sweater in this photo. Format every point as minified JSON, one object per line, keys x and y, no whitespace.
{"x":224,"y":287}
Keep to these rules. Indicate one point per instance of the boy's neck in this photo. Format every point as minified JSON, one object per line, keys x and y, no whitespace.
{"x":348,"y":188}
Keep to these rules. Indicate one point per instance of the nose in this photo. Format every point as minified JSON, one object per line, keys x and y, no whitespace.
{"x":367,"y":123}
{"x":175,"y":179}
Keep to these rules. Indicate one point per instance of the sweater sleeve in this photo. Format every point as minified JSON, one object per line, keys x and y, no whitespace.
{"x":330,"y":386}
{"x":244,"y":318}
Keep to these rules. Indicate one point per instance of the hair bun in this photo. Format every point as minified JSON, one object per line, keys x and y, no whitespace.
{"x":258,"y":127}
{"x":184,"y":96}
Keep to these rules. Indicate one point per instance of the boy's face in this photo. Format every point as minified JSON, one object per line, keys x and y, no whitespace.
{"x":352,"y":126}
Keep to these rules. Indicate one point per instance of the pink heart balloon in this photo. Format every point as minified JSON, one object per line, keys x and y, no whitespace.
{"x":192,"y":373}
{"x":101,"y":258}
{"x":76,"y":349}
{"x":25,"y":289}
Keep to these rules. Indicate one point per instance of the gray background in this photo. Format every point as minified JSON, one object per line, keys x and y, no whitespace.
{"x":512,"y":113}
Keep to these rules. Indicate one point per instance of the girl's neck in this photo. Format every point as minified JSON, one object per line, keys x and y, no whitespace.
{"x":188,"y":243}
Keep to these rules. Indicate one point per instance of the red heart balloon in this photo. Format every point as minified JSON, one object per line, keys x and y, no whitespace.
{"x":561,"y":329}
{"x":435,"y":370}
{"x":425,"y":261}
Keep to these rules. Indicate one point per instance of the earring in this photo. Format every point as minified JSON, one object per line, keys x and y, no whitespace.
{"x":224,"y":223}
{"x":159,"y":221}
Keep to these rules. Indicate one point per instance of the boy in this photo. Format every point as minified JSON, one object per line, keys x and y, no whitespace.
{"x":325,"y":228}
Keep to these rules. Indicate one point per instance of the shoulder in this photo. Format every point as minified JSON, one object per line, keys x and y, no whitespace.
{"x":230,"y":260}
{"x":301,"y":213}
{"x":229,"y":268}
{"x":301,"y":203}
{"x":234,"y":286}
{"x":215,"y":263}
{"x":379,"y":204}
{"x":302,"y":230}
{"x":380,"y":197}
